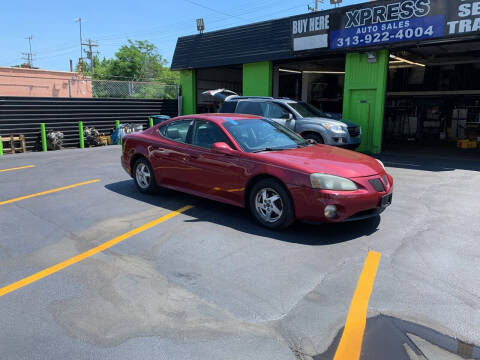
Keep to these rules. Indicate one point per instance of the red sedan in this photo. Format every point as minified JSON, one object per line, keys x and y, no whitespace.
{"x":253,"y":162}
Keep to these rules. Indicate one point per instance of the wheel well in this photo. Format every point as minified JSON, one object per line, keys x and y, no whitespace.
{"x":133,"y":160}
{"x":313,"y":133}
{"x":256,"y":179}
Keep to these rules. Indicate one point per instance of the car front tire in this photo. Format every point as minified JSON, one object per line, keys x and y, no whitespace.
{"x":312,"y":136}
{"x":144,"y":177}
{"x":271,"y":205}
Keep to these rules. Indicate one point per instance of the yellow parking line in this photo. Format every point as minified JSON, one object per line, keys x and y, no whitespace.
{"x":350,"y":345}
{"x":47,"y":192}
{"x":17,"y":168}
{"x":60,"y":266}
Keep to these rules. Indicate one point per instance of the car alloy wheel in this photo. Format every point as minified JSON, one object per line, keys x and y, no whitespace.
{"x":143,"y":176}
{"x":269,"y":205}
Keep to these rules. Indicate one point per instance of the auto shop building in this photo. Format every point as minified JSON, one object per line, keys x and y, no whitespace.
{"x":405,"y":70}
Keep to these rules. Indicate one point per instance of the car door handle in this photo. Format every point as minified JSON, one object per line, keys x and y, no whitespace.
{"x":193,"y":156}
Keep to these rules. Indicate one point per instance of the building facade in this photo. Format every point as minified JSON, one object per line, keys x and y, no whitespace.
{"x":405,"y":70}
{"x":15,"y":81}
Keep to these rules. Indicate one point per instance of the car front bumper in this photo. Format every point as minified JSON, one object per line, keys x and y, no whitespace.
{"x":351,"y":205}
{"x":345,"y":141}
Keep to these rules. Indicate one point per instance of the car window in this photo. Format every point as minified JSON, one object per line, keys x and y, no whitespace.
{"x":252,"y":108}
{"x":176,"y":130}
{"x":306,"y":110}
{"x":276,"y":111}
{"x":206,"y":133}
{"x":228,"y":107}
{"x":254,"y":135}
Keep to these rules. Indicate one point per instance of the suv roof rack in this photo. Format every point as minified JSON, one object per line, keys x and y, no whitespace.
{"x":249,"y":97}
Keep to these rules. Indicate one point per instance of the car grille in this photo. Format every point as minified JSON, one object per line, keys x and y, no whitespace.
{"x":354,"y":131}
{"x":377,"y":184}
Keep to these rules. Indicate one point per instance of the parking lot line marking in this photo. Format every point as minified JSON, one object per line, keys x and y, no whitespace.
{"x":350,"y":345}
{"x":48,"y":192}
{"x":17,"y":168}
{"x":108,"y":244}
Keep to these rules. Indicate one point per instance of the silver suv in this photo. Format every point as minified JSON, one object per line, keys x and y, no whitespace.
{"x":299,"y":116}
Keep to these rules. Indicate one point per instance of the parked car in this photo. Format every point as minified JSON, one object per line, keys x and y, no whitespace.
{"x":157,"y":119}
{"x":299,"y":116}
{"x":253,"y":162}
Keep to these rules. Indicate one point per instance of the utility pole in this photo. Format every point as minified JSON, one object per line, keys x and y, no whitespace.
{"x":90,"y":52}
{"x":79,"y":20}
{"x":29,"y":56}
{"x":315,"y":9}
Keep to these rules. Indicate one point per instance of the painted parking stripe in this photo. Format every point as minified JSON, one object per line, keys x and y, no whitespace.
{"x":17,"y":168}
{"x":48,"y":192}
{"x":350,"y":345}
{"x":64,"y":264}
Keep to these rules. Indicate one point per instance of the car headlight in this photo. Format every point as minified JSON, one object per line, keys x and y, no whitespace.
{"x":336,"y":129}
{"x":331,"y":182}
{"x":381,"y":163}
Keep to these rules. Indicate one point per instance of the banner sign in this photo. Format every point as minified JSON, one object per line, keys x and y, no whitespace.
{"x":385,"y":22}
{"x":310,"y":32}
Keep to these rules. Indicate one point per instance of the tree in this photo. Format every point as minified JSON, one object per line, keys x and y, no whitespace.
{"x":137,"y":61}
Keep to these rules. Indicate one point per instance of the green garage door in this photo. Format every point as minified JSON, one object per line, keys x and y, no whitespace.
{"x":364,"y":96}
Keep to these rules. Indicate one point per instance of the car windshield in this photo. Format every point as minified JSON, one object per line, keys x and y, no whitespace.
{"x":307,"y":110}
{"x":256,"y":135}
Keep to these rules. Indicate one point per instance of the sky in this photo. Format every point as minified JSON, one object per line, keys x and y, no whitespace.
{"x":111,"y":23}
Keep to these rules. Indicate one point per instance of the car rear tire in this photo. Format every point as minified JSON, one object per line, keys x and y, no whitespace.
{"x":144,"y":177}
{"x":313,"y":136}
{"x":271,"y":205}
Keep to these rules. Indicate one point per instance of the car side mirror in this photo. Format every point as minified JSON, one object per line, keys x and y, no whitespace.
{"x":222,"y":148}
{"x":290,"y":116}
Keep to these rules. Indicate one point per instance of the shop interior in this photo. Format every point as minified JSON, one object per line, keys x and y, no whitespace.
{"x":433,"y":99}
{"x":316,"y":81}
{"x":228,"y":77}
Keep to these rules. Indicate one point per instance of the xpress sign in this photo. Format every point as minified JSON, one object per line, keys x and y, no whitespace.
{"x":394,"y":22}
{"x":387,"y":22}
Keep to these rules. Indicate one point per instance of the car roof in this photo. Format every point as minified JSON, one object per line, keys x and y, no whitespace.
{"x":218,"y":118}
{"x":262,"y":99}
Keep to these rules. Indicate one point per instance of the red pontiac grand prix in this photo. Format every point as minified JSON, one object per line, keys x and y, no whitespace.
{"x":253,"y":162}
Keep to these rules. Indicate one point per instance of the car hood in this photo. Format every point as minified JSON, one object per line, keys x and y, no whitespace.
{"x":329,"y":121}
{"x":325,"y":159}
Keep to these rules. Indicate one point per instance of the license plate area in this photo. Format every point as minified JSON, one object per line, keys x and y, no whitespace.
{"x":386,"y":200}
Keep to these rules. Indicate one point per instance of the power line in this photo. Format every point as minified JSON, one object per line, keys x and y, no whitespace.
{"x":212,"y":9}
{"x":156,"y":33}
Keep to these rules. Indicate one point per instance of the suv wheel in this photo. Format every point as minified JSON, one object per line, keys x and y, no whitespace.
{"x":271,"y":204}
{"x":315,"y":137}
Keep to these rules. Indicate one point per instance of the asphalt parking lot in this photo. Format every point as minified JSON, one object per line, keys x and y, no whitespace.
{"x":173,"y":276}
